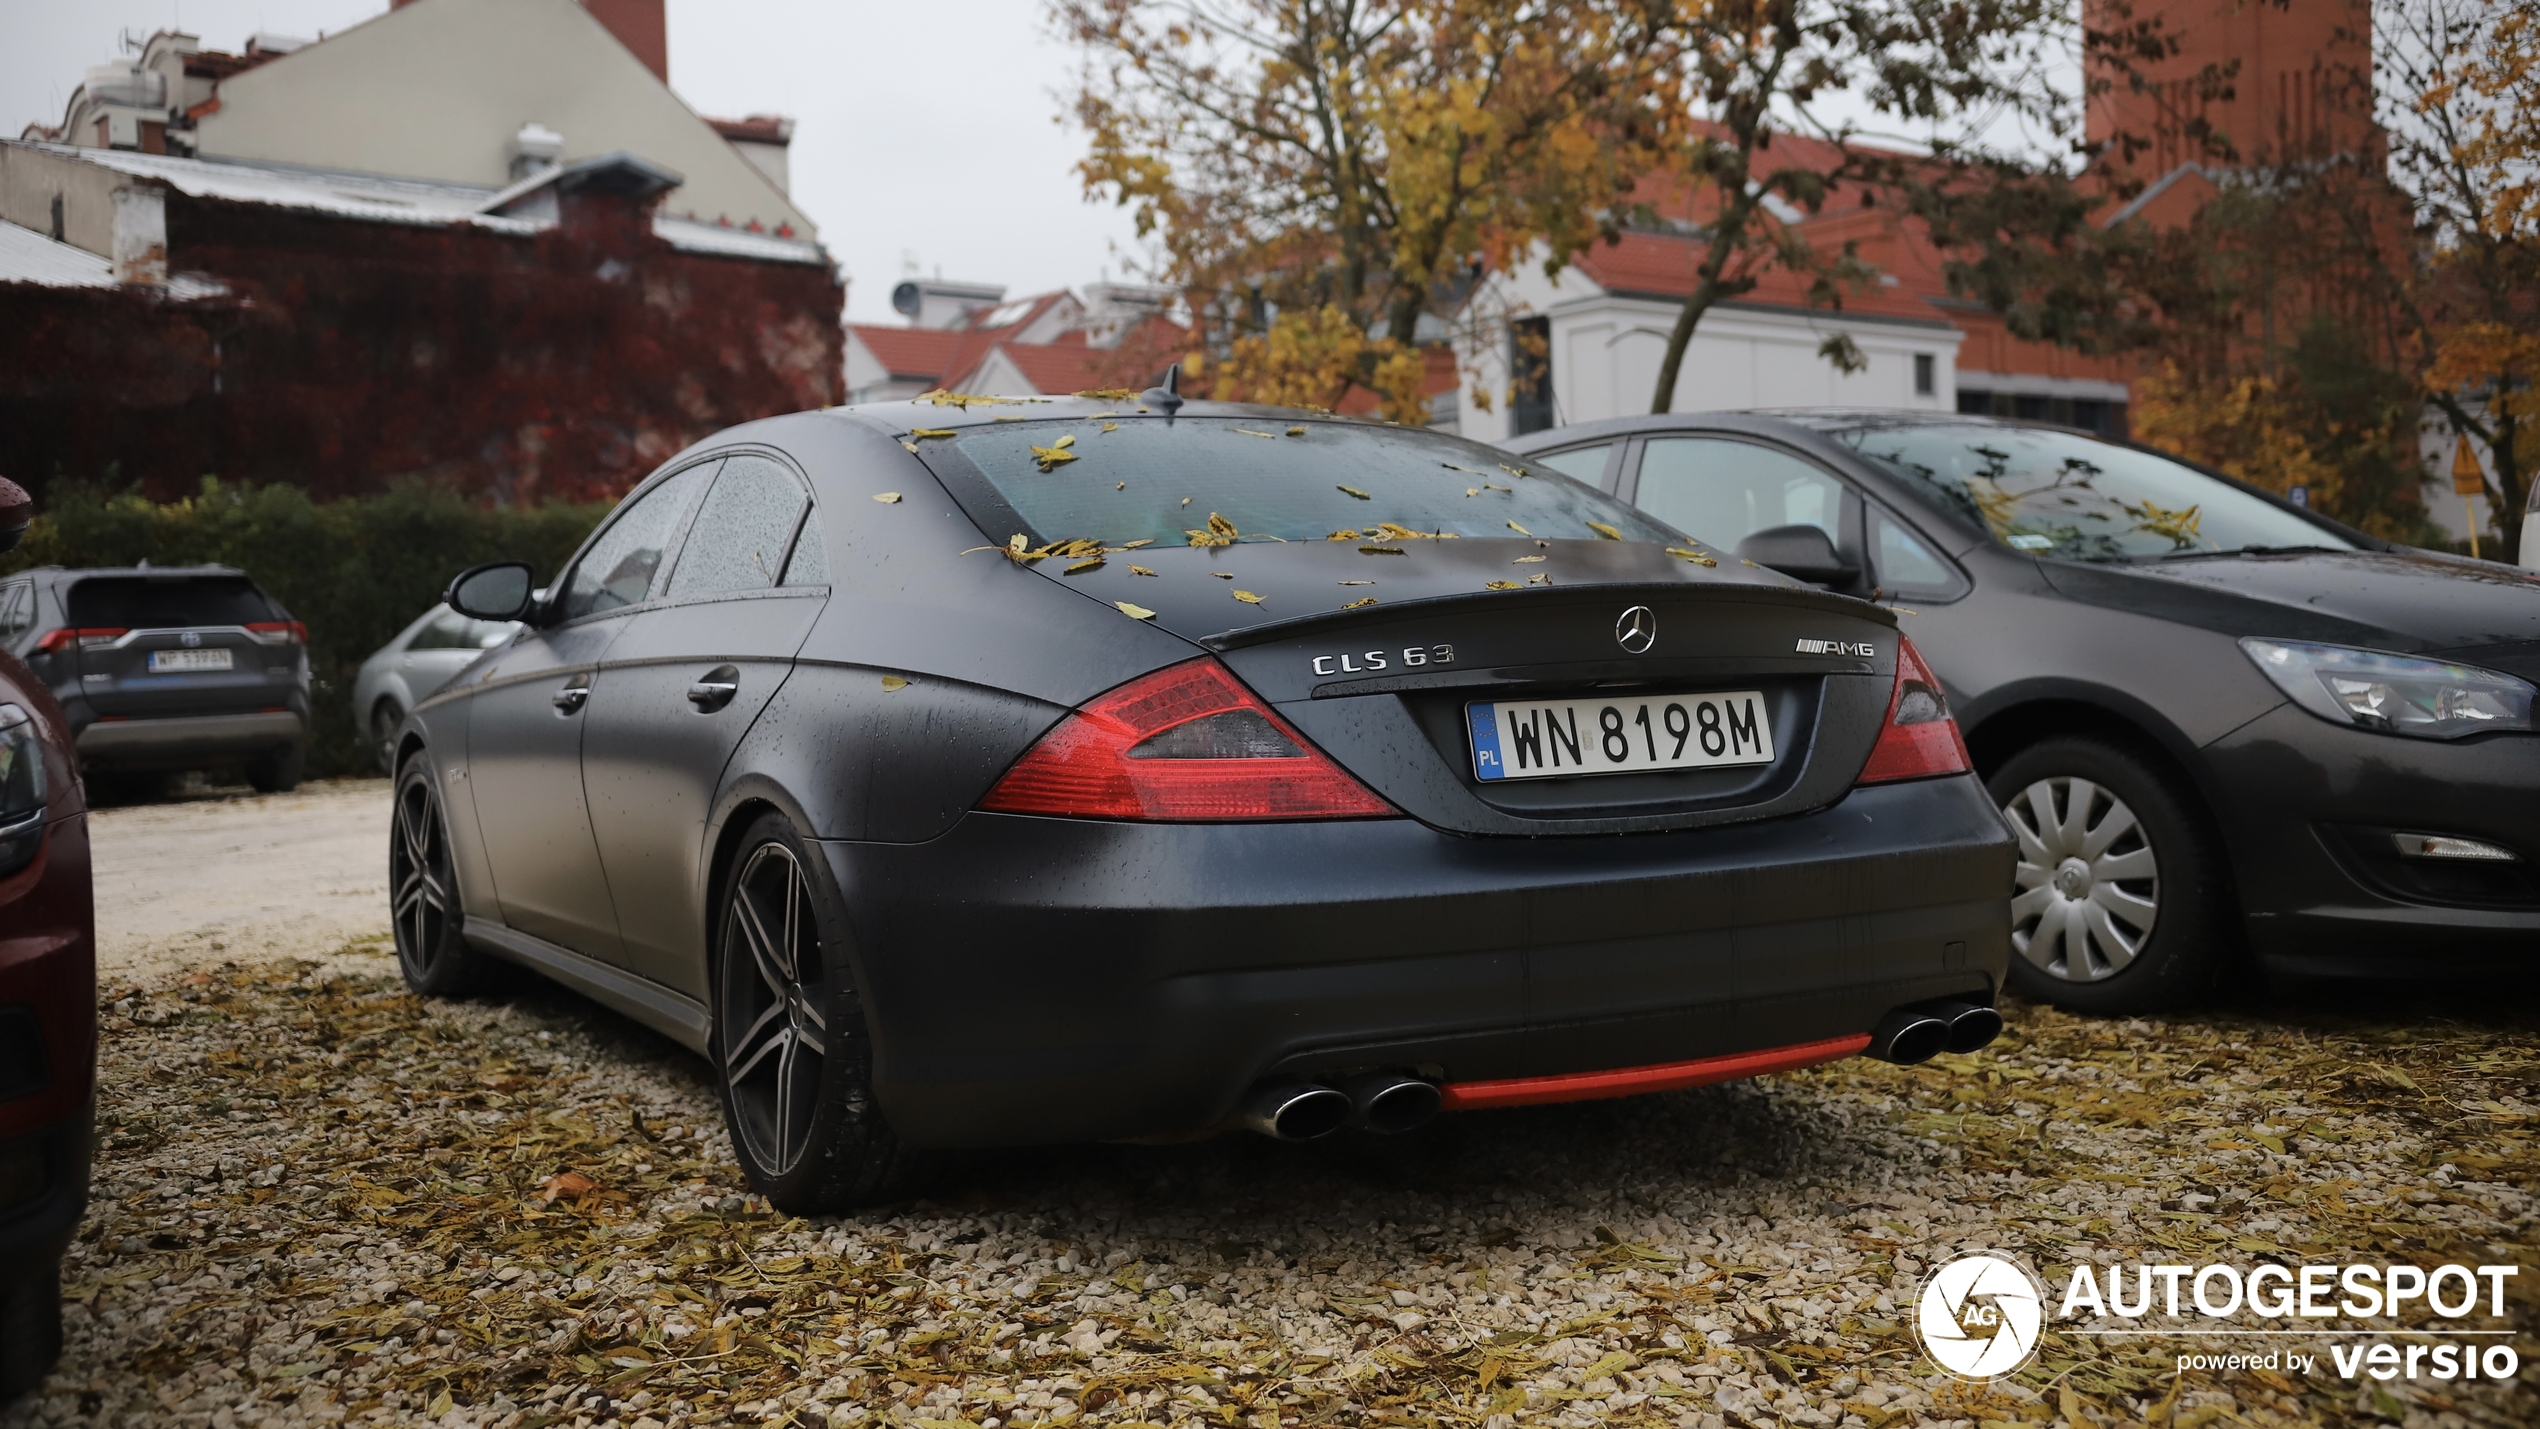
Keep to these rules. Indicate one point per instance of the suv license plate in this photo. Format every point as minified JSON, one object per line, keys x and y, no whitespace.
{"x":1636,"y":734}
{"x":189,"y":660}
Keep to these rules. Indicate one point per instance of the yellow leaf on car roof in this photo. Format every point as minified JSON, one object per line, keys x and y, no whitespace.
{"x":1362,"y":600}
{"x":1501,"y":585}
{"x":1608,"y":532}
{"x":1520,"y":530}
{"x":1081,"y":567}
{"x":1140,"y":571}
{"x":1247,"y":597}
{"x":887,"y":498}
{"x":928,"y":433}
{"x":894,"y":682}
{"x":1296,"y":431}
{"x":1354,"y":491}
{"x":1381,"y":551}
{"x":1134,"y":612}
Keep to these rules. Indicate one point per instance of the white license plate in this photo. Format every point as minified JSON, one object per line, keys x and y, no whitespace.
{"x":189,"y":659}
{"x":1631,"y":734}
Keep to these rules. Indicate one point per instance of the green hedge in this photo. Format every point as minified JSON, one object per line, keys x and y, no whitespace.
{"x":354,"y":570}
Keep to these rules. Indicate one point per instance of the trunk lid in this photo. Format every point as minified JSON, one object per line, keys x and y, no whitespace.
{"x":1386,"y":688}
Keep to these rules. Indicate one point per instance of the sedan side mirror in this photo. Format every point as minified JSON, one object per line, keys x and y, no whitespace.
{"x":495,"y":592}
{"x":1803,"y":553}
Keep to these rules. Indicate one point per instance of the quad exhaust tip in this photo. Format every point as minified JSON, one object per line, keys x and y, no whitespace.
{"x":1298,"y":1111}
{"x":1923,"y":1031}
{"x":1391,"y":1102}
{"x":1385,"y":1102}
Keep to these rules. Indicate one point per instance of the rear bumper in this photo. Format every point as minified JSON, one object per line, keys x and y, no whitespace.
{"x":1040,"y":980}
{"x":180,"y":737}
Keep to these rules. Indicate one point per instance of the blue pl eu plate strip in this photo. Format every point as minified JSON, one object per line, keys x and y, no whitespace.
{"x":1485,"y":724}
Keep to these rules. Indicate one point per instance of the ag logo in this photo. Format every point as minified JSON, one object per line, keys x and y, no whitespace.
{"x":1979,"y":1315}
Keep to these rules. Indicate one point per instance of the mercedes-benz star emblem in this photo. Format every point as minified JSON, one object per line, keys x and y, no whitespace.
{"x":1637,"y":630}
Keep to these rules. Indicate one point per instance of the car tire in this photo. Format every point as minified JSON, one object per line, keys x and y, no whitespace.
{"x":2122,"y":902}
{"x":423,"y":893}
{"x":385,"y":721}
{"x":792,"y":1050}
{"x":278,"y":772}
{"x":30,"y":1329}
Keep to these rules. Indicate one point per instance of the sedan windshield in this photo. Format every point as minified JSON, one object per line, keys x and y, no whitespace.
{"x":2055,"y":494}
{"x":1210,"y":480}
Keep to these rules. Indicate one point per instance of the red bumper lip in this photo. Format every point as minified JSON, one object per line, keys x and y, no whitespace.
{"x":1632,"y":1081}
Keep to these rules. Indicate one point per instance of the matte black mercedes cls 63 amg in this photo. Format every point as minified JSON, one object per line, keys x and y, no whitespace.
{"x":969,"y":773}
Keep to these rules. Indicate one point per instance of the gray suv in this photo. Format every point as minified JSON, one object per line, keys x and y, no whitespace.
{"x":166,"y":669}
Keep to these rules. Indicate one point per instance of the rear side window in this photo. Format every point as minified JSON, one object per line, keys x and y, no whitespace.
{"x":739,"y":538}
{"x":17,"y":610}
{"x":1585,"y":463}
{"x":159,"y":602}
{"x":618,"y":569}
{"x":1725,"y":491}
{"x":1272,"y":478}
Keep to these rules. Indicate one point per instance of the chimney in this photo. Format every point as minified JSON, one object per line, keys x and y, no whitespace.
{"x":641,"y":26}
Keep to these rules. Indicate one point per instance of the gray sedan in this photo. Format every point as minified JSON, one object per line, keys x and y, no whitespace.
{"x":424,"y":656}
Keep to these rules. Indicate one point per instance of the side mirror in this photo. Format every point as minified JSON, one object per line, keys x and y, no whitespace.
{"x":16,"y":510}
{"x":1803,"y":553}
{"x":495,"y":592}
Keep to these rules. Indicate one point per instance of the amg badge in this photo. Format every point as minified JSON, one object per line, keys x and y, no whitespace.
{"x":1863,"y":648}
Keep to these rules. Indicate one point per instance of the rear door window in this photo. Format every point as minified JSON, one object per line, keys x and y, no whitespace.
{"x":1723,"y":491}
{"x":1583,"y":463}
{"x":740,"y":536}
{"x":619,"y":567}
{"x":165,"y":602}
{"x":17,"y":609}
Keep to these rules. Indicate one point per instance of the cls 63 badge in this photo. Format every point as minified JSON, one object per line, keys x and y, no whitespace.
{"x":1368,"y":662}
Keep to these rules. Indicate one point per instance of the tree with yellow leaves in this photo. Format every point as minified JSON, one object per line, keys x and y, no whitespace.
{"x":2462,"y":81}
{"x":1322,"y":175}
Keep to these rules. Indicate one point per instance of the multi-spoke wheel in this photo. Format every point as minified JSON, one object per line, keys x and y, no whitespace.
{"x":790,"y":1043}
{"x":2119,"y":901}
{"x":777,"y":1037}
{"x":423,"y":902}
{"x":2090,"y":886}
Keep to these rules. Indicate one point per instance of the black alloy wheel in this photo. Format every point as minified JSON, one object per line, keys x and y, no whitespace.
{"x":791,"y":1049}
{"x":423,"y":896}
{"x":2122,"y":901}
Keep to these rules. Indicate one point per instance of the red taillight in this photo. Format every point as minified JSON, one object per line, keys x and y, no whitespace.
{"x":1187,"y":744}
{"x":54,"y":642}
{"x":1919,"y":740}
{"x":280,"y":632}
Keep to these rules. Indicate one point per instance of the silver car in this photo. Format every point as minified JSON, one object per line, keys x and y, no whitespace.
{"x":424,"y":656}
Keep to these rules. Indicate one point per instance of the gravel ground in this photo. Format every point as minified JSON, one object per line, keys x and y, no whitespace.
{"x":320,"y":1200}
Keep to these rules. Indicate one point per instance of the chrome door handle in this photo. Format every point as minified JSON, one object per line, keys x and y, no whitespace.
{"x":715,"y":689}
{"x":570,"y":698}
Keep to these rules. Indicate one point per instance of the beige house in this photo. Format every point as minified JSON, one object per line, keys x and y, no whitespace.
{"x":472,"y":92}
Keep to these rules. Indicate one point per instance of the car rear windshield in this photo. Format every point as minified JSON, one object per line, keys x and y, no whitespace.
{"x":2055,"y":494}
{"x":157,"y":602}
{"x":1261,"y":478}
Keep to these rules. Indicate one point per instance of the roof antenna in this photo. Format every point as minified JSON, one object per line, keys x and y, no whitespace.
{"x":1168,"y":396}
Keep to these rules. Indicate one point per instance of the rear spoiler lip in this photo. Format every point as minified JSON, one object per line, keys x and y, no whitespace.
{"x":1267,"y":631}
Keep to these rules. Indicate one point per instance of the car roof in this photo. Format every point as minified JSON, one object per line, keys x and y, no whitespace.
{"x":1824,"y":420}
{"x":954,"y":411}
{"x":70,"y":573}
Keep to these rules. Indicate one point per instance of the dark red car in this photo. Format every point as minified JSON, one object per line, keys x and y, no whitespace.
{"x":48,"y":1008}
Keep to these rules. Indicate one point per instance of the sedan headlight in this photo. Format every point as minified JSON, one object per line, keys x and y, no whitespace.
{"x":21,"y":788}
{"x":2394,"y":694}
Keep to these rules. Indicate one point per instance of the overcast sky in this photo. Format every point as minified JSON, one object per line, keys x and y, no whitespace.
{"x":924,"y":132}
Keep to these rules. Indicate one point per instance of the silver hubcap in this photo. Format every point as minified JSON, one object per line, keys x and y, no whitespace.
{"x":2088,"y":884}
{"x":418,"y":876}
{"x":773,"y":1035}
